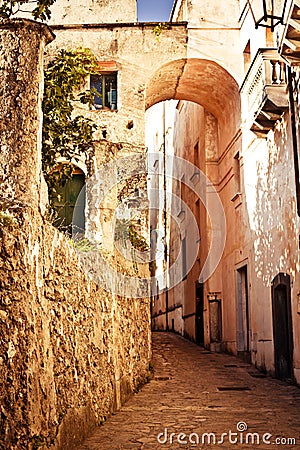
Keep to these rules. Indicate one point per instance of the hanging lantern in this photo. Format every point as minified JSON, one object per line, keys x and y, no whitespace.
{"x":267,"y":13}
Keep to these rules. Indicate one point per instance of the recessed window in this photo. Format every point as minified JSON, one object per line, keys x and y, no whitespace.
{"x":106,"y":87}
{"x":196,"y":155}
{"x":237,"y":172}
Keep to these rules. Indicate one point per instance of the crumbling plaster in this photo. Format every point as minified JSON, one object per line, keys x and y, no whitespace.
{"x":137,"y":53}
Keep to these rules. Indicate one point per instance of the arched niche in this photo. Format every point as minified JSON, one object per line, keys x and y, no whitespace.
{"x":68,"y":201}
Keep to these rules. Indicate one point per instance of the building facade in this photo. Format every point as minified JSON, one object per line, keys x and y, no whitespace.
{"x":219,"y":158}
{"x":242,"y":134}
{"x":222,"y":154}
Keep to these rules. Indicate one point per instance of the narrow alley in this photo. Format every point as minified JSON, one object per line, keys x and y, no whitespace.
{"x":195,"y":398}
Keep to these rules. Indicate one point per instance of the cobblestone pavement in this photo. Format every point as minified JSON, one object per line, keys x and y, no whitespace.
{"x":197,"y":392}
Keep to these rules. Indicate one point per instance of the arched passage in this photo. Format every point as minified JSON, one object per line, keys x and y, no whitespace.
{"x":201,"y":81}
{"x":207,"y":136}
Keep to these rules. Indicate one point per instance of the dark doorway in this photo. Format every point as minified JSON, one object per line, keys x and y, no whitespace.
{"x":282,"y":326}
{"x":68,"y":201}
{"x":199,"y":314}
{"x":243,"y":317}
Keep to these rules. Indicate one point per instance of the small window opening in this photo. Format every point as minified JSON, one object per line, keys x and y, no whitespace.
{"x":106,"y":87}
{"x":237,"y":172}
{"x":184,"y":259}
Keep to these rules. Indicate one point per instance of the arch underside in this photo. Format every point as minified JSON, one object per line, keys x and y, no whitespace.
{"x":201,"y":81}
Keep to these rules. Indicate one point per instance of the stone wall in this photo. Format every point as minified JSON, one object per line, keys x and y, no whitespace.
{"x":93,"y":11}
{"x":70,"y":352}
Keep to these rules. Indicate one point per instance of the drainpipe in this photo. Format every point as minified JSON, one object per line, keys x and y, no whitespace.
{"x":294,"y":137}
{"x":165,"y":217}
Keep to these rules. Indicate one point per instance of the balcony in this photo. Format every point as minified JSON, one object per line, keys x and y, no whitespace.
{"x":265,"y":91}
{"x":290,"y":42}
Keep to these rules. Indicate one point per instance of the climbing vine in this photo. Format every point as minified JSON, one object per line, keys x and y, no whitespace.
{"x":66,"y":135}
{"x":125,"y":230}
{"x":39,"y":9}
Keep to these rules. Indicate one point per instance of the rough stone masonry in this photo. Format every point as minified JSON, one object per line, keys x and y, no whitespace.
{"x":70,"y":352}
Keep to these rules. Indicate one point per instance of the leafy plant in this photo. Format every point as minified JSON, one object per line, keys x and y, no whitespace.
{"x":39,"y":9}
{"x":63,"y":134}
{"x":7,"y":220}
{"x":159,"y":28}
{"x":137,"y":240}
{"x":84,"y":245}
{"x":125,"y":230}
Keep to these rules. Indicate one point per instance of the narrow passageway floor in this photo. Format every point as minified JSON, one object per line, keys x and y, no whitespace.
{"x":203,"y":400}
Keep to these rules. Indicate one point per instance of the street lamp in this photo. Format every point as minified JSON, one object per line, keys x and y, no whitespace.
{"x":267,"y":13}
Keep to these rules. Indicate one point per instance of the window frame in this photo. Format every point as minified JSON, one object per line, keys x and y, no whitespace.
{"x":106,"y":104}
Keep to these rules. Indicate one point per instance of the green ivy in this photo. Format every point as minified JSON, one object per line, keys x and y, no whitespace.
{"x":159,"y":28}
{"x":37,"y":442}
{"x":63,"y":134}
{"x":125,"y":229}
{"x":39,"y":9}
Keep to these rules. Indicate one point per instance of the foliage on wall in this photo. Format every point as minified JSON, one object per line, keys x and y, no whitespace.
{"x":158,"y":29}
{"x":66,"y":135}
{"x":39,"y":9}
{"x":126,"y":230}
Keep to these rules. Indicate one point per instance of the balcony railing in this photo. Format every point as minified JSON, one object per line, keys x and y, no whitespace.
{"x":290,"y":34}
{"x":264,"y":91}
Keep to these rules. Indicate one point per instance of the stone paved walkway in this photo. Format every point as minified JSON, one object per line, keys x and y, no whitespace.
{"x":196,"y":392}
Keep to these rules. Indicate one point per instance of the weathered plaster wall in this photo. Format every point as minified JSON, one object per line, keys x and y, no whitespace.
{"x":269,"y":243}
{"x":213,"y":34}
{"x":272,"y":238}
{"x":262,"y":226}
{"x":160,"y":144}
{"x":137,"y":53}
{"x":90,"y":11}
{"x":196,"y":139}
{"x":115,"y":171}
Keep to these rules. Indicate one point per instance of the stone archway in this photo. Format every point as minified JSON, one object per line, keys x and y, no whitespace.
{"x":207,"y":84}
{"x":200,"y":81}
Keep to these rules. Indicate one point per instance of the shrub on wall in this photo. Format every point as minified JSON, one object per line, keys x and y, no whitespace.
{"x":66,"y":135}
{"x":40,"y":9}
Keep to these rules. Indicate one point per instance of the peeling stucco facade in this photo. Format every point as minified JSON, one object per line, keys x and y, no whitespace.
{"x":254,"y":175}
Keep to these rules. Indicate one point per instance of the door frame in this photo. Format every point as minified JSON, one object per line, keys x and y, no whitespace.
{"x":283,"y":280}
{"x":246,"y":318}
{"x":199,"y":293}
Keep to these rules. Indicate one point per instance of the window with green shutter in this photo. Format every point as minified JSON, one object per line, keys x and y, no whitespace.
{"x":68,"y":202}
